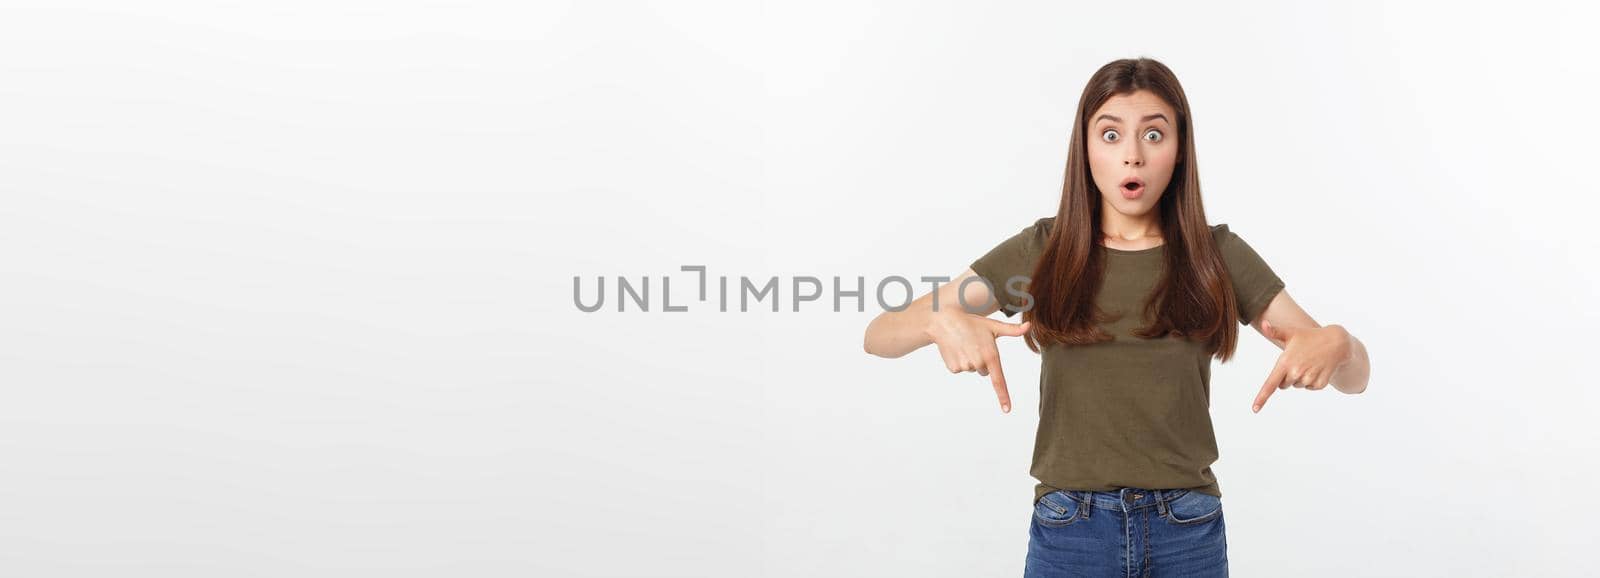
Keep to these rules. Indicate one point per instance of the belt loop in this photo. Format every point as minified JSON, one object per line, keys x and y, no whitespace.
{"x":1087,"y":499}
{"x":1161,"y":502}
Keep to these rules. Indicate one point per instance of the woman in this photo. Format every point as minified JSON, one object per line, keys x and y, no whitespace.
{"x":1127,"y":294}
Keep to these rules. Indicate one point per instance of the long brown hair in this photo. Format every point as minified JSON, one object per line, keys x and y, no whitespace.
{"x":1193,"y":298}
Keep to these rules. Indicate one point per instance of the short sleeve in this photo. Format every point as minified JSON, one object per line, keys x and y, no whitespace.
{"x":1012,"y":258}
{"x":1254,"y":282}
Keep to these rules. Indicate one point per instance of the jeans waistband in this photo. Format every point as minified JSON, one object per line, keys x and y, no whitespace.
{"x":1126,"y":499}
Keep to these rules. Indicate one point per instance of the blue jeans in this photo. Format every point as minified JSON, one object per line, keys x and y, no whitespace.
{"x":1129,"y":533}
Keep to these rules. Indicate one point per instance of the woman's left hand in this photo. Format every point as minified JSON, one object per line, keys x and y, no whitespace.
{"x":1310,"y":357}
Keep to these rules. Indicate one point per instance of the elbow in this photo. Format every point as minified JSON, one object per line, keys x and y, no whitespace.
{"x":867,"y":341}
{"x":872,"y":342}
{"x":868,"y":347}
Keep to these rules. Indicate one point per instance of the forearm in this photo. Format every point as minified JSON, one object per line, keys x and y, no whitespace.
{"x":1352,"y":375}
{"x":896,"y":333}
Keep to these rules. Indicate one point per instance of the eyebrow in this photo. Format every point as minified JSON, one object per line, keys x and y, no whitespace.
{"x":1147,"y":117}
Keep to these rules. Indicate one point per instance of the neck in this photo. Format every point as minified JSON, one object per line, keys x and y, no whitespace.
{"x":1123,"y":227}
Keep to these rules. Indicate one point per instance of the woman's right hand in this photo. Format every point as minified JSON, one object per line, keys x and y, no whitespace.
{"x":968,"y":343}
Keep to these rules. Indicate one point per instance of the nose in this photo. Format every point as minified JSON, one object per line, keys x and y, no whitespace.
{"x":1134,"y":157}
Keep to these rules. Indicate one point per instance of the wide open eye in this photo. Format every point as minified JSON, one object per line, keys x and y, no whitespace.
{"x":1110,"y":135}
{"x":1157,"y":133}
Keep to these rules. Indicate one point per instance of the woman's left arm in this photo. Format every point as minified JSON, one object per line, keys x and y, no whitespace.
{"x":1314,"y":356}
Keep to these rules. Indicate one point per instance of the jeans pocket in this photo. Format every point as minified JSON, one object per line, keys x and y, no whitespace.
{"x":1193,"y":508}
{"x":1057,"y":509}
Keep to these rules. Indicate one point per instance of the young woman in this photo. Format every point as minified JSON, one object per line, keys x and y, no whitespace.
{"x":1127,"y":294}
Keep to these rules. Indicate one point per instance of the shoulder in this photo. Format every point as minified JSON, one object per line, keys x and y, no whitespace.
{"x":1220,"y":232}
{"x":1236,"y":252}
{"x":1029,"y":241}
{"x":1041,"y":226}
{"x":1228,"y":242}
{"x":1033,"y":237}
{"x":1017,"y":253}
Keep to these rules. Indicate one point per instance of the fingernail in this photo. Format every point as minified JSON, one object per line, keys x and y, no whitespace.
{"x":1005,"y":408}
{"x":1255,"y":409}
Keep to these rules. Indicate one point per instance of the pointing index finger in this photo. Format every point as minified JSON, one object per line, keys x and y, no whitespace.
{"x":998,"y":377}
{"x":1279,"y":373}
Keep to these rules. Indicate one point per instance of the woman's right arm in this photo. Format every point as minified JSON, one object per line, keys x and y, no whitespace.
{"x":965,"y":336}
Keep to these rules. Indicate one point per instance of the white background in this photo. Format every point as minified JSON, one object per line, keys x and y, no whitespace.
{"x":286,"y":289}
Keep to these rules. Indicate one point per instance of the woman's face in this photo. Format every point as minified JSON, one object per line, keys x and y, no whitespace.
{"x":1133,"y":141}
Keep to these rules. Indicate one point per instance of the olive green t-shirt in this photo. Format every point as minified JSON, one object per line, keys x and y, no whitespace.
{"x":1131,"y":412}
